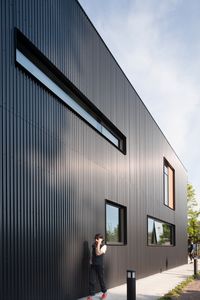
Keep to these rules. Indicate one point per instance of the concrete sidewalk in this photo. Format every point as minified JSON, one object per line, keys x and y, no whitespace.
{"x":152,"y":287}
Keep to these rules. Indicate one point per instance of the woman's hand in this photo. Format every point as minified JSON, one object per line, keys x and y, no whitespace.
{"x":99,"y":241}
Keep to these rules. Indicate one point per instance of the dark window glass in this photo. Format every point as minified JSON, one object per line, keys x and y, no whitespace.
{"x":160,"y":233}
{"x":115,"y":223}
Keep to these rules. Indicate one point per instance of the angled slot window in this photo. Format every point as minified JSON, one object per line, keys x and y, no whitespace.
{"x":169,"y":185}
{"x":38,"y":66}
{"x":160,"y":233}
{"x":116,"y":226}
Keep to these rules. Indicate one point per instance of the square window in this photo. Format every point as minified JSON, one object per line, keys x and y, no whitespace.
{"x":116,"y":226}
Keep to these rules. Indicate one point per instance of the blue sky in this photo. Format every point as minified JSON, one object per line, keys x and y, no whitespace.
{"x":157,"y":45}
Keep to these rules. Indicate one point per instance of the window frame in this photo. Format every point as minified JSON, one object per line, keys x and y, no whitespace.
{"x":169,"y":166}
{"x":90,"y":114}
{"x":161,"y":221}
{"x":122,"y":223}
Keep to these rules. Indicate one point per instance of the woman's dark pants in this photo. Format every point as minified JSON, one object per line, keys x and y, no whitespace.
{"x":96,"y":271}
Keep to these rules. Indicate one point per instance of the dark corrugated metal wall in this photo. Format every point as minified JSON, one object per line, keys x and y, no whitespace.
{"x":57,"y":172}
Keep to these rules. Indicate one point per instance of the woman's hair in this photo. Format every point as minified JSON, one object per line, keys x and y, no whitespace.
{"x":98,"y":236}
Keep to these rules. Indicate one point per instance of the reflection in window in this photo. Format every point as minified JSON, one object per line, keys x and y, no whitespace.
{"x":112,"y":223}
{"x":115,"y":223}
{"x":160,"y":233}
{"x":168,"y":174}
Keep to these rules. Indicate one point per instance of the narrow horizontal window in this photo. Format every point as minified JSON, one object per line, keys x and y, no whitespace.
{"x":160,"y":233}
{"x":33,"y":61}
{"x":115,"y":224}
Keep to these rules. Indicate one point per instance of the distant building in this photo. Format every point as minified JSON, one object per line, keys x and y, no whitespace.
{"x":80,"y":154}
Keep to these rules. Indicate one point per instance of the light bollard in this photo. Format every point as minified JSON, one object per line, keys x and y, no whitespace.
{"x":195,"y":266}
{"x":131,"y":285}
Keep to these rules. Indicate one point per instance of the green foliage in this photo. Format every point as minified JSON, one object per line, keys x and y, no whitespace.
{"x":191,"y":197}
{"x":193,"y":227}
{"x":112,"y":235}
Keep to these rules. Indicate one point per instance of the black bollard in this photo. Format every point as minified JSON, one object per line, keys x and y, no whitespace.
{"x":131,"y":285}
{"x":195,"y":266}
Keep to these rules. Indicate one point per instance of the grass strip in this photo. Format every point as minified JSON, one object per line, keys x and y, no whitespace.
{"x":177,"y":291}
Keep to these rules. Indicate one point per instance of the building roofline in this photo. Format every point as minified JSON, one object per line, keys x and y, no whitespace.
{"x":129,"y":81}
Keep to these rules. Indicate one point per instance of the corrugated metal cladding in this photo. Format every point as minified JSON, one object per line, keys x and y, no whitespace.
{"x":56,"y":171}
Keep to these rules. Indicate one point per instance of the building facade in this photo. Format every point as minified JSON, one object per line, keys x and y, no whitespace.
{"x":80,"y":154}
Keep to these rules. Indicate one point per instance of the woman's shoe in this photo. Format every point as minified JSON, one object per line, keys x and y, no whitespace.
{"x":104,"y":296}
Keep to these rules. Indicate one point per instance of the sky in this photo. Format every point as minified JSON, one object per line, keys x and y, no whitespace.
{"x":157,"y":45}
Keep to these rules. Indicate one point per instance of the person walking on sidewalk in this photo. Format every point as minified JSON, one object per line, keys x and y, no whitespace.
{"x":191,"y":251}
{"x":97,"y":266}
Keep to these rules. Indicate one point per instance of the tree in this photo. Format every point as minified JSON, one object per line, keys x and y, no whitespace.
{"x":112,"y":234}
{"x":193,"y":227}
{"x":191,"y":197}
